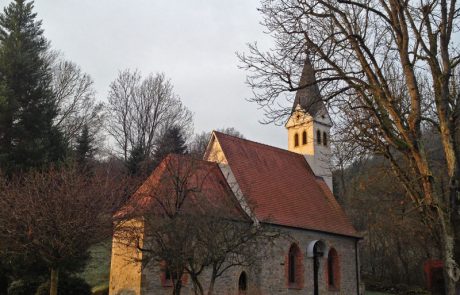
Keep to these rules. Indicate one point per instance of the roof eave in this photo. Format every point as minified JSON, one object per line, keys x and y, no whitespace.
{"x":356,"y":236}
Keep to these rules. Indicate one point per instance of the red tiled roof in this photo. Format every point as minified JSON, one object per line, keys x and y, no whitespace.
{"x":203,"y":181}
{"x":283,"y":187}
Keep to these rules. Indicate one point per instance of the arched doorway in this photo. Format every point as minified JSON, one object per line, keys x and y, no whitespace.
{"x":243,"y":283}
{"x":316,"y":250}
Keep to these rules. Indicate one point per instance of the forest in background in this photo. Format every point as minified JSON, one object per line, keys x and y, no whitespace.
{"x":396,"y":242}
{"x":52,"y":126}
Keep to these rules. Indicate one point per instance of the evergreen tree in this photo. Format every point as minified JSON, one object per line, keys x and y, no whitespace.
{"x":27,"y":105}
{"x":172,"y":142}
{"x":137,"y":161}
{"x":85,"y":148}
{"x":140,"y":163}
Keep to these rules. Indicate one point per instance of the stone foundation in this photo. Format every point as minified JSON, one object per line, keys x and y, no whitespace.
{"x":268,"y":277}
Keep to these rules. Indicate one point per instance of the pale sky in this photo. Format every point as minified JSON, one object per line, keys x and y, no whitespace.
{"x":192,"y":41}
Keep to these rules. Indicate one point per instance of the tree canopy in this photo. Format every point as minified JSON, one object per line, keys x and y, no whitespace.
{"x":387,"y":70}
{"x":28,"y":107}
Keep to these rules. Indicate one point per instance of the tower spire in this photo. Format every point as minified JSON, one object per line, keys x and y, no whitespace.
{"x":308,"y":96}
{"x":309,"y":125}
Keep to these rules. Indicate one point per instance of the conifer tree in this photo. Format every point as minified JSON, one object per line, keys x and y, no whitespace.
{"x":172,"y":142}
{"x":85,"y":148}
{"x":141,"y":163}
{"x":137,"y":161}
{"x":27,"y":105}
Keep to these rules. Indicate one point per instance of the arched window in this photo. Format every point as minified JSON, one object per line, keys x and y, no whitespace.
{"x":318,"y":136}
{"x":304,"y":137}
{"x":169,"y":276}
{"x":294,"y":267}
{"x":296,"y":139}
{"x":243,"y":283}
{"x":292,"y":264}
{"x":333,"y":270}
{"x":324,"y":139}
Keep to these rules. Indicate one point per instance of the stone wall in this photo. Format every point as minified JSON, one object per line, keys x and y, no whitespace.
{"x":153,"y":282}
{"x":273,"y":272}
{"x":270,"y":276}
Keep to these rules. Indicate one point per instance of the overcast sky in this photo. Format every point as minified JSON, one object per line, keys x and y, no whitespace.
{"x":192,"y":41}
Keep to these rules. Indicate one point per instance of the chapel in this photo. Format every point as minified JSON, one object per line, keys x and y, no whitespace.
{"x":293,"y":192}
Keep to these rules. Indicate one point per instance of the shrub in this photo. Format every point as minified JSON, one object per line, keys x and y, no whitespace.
{"x":102,"y":291}
{"x":22,"y":287}
{"x":68,"y":285}
{"x":417,"y":291}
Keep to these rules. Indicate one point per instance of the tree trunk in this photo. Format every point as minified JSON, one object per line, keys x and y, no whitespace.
{"x":451,"y":274}
{"x":177,"y":287}
{"x":211,"y":285}
{"x":404,"y":263}
{"x":197,"y":287}
{"x":54,"y":281}
{"x":455,"y":223}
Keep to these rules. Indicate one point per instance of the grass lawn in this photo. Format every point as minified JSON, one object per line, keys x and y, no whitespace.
{"x":96,"y":273}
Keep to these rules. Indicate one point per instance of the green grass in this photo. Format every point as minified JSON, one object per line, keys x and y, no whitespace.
{"x":97,"y":271}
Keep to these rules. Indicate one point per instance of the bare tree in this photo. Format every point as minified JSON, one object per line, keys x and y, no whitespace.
{"x":192,"y":223}
{"x":140,"y":110}
{"x":378,"y":208}
{"x":387,"y":68}
{"x":57,"y":215}
{"x":75,"y":98}
{"x":224,"y":244}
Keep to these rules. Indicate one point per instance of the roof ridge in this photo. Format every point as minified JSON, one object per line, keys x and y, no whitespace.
{"x":187,"y":157}
{"x":257,"y":143}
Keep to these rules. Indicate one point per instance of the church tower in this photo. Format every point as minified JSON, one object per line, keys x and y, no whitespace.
{"x":309,"y":125}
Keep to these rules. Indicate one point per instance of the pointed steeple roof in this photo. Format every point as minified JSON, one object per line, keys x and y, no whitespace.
{"x":309,"y":97}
